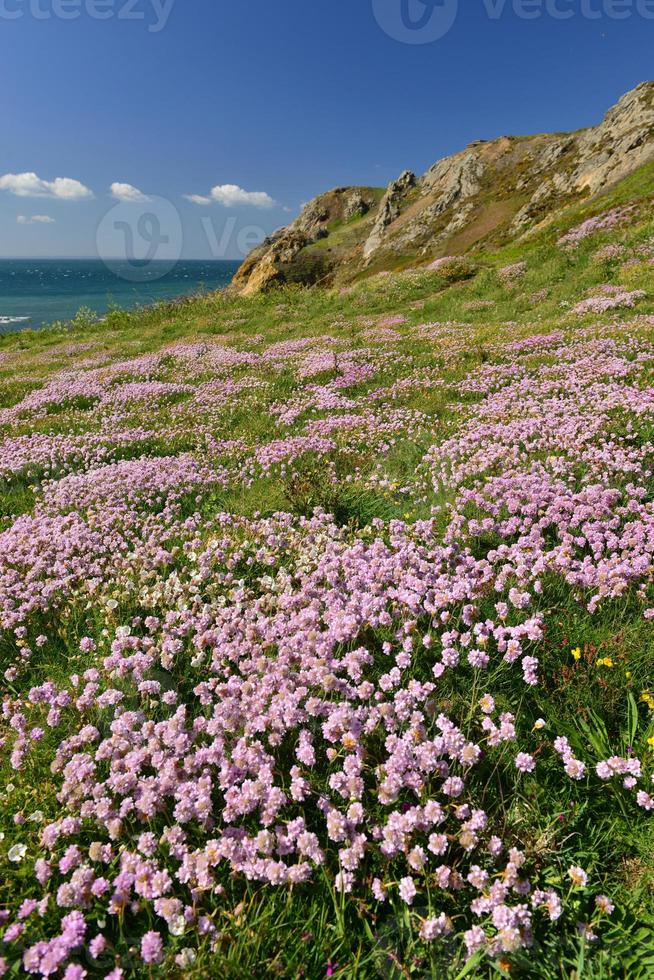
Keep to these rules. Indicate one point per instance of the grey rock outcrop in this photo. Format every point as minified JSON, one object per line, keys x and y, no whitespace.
{"x":356,"y":206}
{"x":389,"y":210}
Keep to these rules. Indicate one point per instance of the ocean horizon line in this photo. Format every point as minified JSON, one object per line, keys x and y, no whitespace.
{"x":108,"y":258}
{"x":36,"y":292}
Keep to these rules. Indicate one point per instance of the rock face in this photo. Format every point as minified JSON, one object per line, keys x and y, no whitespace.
{"x":272,"y":262}
{"x":485,"y":195}
{"x":356,"y":206}
{"x":264,"y":267}
{"x":389,"y":209}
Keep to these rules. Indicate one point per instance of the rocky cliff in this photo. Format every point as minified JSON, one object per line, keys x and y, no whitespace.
{"x":483,"y":196}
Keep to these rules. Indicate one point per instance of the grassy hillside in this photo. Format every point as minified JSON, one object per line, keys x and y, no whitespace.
{"x":474,"y":202}
{"x":326,"y":624}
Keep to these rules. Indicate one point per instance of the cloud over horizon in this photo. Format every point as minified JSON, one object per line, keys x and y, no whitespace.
{"x":233,"y":196}
{"x":35,"y":219}
{"x":30,"y":185}
{"x":127,"y":193}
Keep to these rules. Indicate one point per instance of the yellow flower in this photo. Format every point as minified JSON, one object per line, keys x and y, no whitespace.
{"x":576,"y":653}
{"x":605,"y":662}
{"x":628,"y":675}
{"x":650,"y":741}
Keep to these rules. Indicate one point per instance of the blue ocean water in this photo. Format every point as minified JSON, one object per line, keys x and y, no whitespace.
{"x":36,"y":292}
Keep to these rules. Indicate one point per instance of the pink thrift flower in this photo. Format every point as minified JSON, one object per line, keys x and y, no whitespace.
{"x":151,"y":948}
{"x":525,"y":762}
{"x":407,"y":890}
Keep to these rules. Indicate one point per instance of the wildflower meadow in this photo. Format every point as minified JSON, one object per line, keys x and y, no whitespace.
{"x":326,"y":626}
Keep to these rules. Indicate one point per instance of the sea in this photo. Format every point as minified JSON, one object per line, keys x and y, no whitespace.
{"x":34,"y":293}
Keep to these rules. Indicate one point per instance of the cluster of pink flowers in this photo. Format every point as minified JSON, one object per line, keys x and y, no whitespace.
{"x":608,"y":298}
{"x":610,"y":252}
{"x":535,"y":343}
{"x":600,"y":222}
{"x":274,"y":699}
{"x":441,"y":263}
{"x":479,"y":304}
{"x":510,"y":275}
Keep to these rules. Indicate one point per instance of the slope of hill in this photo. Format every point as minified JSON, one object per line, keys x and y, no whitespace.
{"x":326,"y":623}
{"x":487,"y":195}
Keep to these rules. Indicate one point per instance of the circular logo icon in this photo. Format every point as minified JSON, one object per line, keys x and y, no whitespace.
{"x":140,"y":241}
{"x":415,"y":21}
{"x":396,"y":955}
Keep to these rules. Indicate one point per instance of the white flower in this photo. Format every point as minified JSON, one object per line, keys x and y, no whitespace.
{"x":37,"y":816}
{"x":487,"y":704}
{"x":186,"y":958}
{"x":17,"y":853}
{"x":578,"y":876}
{"x":177,"y":926}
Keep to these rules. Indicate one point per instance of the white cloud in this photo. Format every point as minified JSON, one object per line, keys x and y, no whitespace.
{"x":233,"y":196}
{"x":30,"y":185}
{"x":128,"y":193}
{"x":35,"y":219}
{"x":197,"y":199}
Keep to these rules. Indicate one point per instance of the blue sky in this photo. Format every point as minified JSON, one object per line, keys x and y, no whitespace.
{"x":281,"y":97}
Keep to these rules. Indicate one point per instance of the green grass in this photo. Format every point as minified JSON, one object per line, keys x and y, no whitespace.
{"x":297,"y":933}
